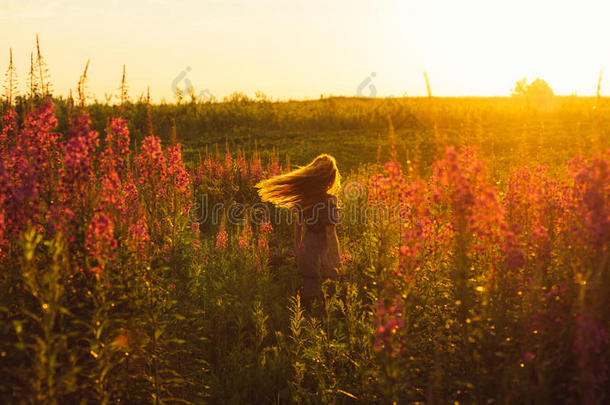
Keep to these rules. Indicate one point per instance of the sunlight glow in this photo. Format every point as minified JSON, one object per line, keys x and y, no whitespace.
{"x":304,"y":49}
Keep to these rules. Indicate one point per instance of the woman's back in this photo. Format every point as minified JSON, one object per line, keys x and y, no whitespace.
{"x":318,"y":251}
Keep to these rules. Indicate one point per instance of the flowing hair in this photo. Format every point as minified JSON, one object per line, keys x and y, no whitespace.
{"x":304,"y":187}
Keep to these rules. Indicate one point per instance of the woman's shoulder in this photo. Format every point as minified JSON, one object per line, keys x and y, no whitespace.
{"x":323,"y":213}
{"x":328,"y":200}
{"x":331,"y":199}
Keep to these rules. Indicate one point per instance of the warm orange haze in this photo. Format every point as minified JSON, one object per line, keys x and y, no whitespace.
{"x":304,"y":49}
{"x":304,"y":202}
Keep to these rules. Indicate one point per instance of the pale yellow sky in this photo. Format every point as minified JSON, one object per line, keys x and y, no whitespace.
{"x":301,"y":49}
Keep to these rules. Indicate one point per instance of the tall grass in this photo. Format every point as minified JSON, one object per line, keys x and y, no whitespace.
{"x":474,"y":268}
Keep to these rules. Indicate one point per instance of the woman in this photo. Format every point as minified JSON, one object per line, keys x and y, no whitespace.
{"x":311,"y":192}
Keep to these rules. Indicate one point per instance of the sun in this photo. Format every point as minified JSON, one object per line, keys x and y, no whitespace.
{"x":483,"y":48}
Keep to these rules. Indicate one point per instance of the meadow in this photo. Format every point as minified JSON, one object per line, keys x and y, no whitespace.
{"x":475,"y":235}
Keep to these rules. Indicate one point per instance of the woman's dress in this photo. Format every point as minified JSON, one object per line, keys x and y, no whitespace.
{"x":317,"y":254}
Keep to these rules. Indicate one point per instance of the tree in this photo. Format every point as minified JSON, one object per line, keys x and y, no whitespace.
{"x":520,"y":88}
{"x":538,"y":88}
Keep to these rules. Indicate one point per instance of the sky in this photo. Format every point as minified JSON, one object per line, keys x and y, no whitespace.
{"x":290,"y":49}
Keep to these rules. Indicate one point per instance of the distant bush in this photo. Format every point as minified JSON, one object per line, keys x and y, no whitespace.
{"x":537,"y":88}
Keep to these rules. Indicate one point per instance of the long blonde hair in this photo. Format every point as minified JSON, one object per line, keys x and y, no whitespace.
{"x":303,"y":187}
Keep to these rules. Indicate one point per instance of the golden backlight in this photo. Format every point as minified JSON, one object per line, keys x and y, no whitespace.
{"x":304,"y":49}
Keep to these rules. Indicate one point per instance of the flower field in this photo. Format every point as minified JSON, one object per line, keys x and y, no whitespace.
{"x":129,"y":274}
